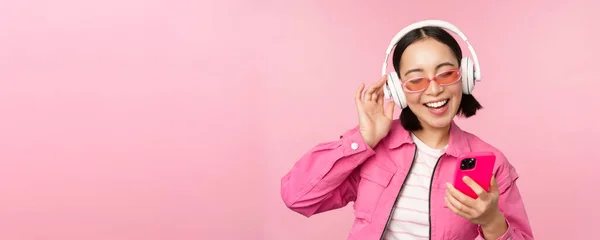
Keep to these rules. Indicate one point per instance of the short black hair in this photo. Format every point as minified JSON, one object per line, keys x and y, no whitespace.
{"x":468,"y":105}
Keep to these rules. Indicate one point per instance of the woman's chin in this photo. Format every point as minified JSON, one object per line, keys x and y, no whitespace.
{"x":440,"y":123}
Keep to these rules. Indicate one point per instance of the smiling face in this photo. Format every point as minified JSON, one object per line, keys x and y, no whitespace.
{"x":437,"y":105}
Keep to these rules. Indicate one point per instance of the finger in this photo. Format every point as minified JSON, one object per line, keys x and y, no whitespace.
{"x":369,"y":93}
{"x":459,"y":205}
{"x":378,"y":87}
{"x":473,"y":185}
{"x":389,"y":109}
{"x":375,"y":87}
{"x":367,"y":96}
{"x":380,"y":96}
{"x":381,"y":81}
{"x":464,"y":199}
{"x":494,"y":185}
{"x":456,"y":210}
{"x":359,"y":92}
{"x":375,"y":96}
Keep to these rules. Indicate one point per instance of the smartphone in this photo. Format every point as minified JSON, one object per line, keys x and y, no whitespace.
{"x":479,"y":166}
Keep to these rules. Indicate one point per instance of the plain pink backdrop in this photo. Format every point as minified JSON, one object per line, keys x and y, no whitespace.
{"x":164,"y":119}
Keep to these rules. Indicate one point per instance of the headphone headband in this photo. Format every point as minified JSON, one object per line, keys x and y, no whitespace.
{"x":432,"y":23}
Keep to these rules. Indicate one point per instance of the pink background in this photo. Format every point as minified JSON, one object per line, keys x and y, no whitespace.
{"x":136,"y":119}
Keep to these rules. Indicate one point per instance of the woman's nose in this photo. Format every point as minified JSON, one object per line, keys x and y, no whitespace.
{"x":434,"y":88}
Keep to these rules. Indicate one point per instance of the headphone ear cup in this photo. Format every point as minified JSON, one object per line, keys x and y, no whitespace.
{"x":468,"y":75}
{"x":396,"y":90}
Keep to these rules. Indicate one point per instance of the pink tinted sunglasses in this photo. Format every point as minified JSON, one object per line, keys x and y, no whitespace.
{"x":419,"y":84}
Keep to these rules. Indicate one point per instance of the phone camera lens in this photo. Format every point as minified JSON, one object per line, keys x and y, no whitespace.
{"x":467,"y":163}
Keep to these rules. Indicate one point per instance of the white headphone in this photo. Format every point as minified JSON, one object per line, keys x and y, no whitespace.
{"x":469,"y":69}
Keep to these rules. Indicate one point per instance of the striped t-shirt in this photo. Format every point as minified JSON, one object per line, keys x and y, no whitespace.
{"x":410,"y":218}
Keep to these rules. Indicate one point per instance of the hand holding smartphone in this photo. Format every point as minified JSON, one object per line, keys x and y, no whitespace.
{"x":479,"y":166}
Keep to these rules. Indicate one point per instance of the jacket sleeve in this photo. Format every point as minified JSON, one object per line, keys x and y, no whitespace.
{"x":511,"y":205}
{"x":327,"y":176}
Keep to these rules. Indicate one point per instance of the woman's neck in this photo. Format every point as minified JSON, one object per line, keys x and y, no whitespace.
{"x":436,"y":138}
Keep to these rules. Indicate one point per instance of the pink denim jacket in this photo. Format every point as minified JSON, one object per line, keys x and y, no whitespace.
{"x":332,"y":174}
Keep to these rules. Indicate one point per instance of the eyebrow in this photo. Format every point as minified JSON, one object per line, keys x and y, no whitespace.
{"x":436,"y":68}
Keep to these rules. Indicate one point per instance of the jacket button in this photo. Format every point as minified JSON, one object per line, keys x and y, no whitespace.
{"x":354,"y":146}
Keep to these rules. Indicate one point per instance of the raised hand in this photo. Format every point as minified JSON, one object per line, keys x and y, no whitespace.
{"x":374,"y":121}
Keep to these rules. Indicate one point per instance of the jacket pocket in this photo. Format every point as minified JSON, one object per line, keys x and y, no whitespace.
{"x":374,"y":180}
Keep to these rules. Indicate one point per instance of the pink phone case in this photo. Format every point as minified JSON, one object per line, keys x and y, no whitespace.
{"x":480,"y":170}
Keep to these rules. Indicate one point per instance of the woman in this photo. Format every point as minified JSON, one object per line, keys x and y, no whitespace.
{"x":397,"y":173}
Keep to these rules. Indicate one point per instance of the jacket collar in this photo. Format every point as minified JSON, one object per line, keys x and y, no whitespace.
{"x":458,"y":139}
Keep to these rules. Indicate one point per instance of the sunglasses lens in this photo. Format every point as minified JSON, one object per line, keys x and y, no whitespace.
{"x":417,"y":84}
{"x":448,"y":77}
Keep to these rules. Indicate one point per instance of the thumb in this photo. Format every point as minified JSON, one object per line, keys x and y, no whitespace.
{"x":494,"y":185}
{"x":389,"y":109}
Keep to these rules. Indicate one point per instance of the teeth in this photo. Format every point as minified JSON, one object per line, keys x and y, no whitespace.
{"x":436,"y":104}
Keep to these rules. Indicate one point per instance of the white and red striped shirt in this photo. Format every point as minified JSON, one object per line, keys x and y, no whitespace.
{"x":410,"y":218}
